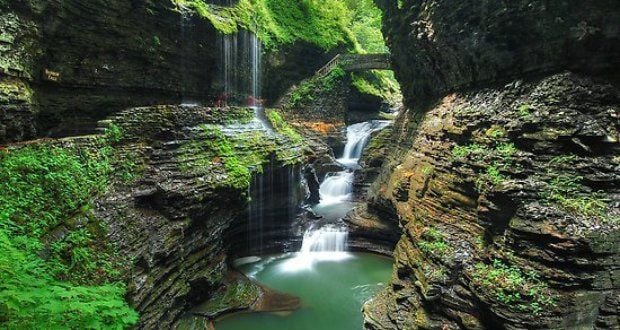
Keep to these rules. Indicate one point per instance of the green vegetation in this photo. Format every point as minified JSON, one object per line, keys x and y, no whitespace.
{"x":496,"y":132}
{"x":525,"y":110}
{"x":236,"y":157}
{"x":566,"y":190}
{"x":466,"y":151}
{"x":323,"y":23}
{"x":520,"y":290}
{"x":308,"y":88}
{"x":114,"y":133}
{"x":377,"y":83}
{"x":497,"y":158}
{"x":282,"y":127}
{"x":365,"y":24}
{"x":491,"y":175}
{"x":433,"y":242}
{"x":237,"y":295}
{"x":216,"y":150}
{"x":68,"y":282}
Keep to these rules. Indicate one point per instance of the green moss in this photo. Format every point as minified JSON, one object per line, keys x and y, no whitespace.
{"x":316,"y":85}
{"x":282,"y":127}
{"x":63,"y":283}
{"x":518,"y":289}
{"x":14,"y":91}
{"x":238,"y":156}
{"x":496,"y":132}
{"x":237,"y":295}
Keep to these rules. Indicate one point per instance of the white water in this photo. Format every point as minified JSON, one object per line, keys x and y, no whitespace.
{"x":336,"y":188}
{"x":358,"y":136}
{"x":329,"y":243}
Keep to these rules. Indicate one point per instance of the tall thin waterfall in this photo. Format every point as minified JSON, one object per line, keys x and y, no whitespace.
{"x":329,"y":242}
{"x":255,"y":64}
{"x":241,"y":67}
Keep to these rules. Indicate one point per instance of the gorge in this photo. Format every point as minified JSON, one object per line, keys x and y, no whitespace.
{"x":334,"y":164}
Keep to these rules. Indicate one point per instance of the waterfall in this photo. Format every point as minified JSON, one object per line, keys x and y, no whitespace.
{"x":336,"y":188}
{"x":255,"y":64}
{"x":328,"y":243}
{"x":325,"y":239}
{"x":358,"y":136}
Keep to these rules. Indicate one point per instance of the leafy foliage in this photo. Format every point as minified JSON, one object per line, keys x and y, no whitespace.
{"x":30,"y":297}
{"x":40,"y":186}
{"x":433,"y":242}
{"x":566,"y":190}
{"x":277,"y":22}
{"x":308,"y":88}
{"x":518,"y":289}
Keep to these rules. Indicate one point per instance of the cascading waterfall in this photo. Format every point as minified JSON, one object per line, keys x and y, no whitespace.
{"x":329,"y":242}
{"x":357,"y":138}
{"x":338,"y":187}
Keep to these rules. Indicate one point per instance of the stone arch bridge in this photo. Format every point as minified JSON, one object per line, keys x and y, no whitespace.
{"x":357,"y":62}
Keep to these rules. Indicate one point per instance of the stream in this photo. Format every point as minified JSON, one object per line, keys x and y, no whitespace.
{"x":332,"y":283}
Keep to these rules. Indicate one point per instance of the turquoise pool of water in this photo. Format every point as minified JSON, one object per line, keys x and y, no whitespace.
{"x":332,"y":288}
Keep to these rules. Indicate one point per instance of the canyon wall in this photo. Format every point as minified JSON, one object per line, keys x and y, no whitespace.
{"x":171,"y":219}
{"x":65,"y":64}
{"x":503,"y":170}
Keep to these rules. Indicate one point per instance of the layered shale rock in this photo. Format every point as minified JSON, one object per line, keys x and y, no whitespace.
{"x":503,"y":172}
{"x":440,"y":46}
{"x":65,"y":64}
{"x":172,"y":220}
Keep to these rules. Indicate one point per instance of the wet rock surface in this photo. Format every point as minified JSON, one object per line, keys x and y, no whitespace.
{"x":439,"y":46}
{"x":90,"y":59}
{"x":503,"y":170}
{"x":474,"y":196}
{"x":172,"y":221}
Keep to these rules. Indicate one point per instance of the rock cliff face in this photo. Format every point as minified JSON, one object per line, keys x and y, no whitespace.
{"x":504,"y":169}
{"x":65,"y":64}
{"x":440,"y":46}
{"x":172,"y":221}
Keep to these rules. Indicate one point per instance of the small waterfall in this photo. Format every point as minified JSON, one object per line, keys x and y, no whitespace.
{"x":336,"y":188}
{"x":328,"y":243}
{"x":325,"y":239}
{"x":358,"y":136}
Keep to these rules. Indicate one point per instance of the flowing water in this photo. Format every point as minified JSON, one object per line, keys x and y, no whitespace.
{"x":332,"y":292}
{"x":332,"y":283}
{"x":336,"y":190}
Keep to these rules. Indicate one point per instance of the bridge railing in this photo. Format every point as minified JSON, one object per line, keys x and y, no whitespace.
{"x":327,"y":68}
{"x":356,"y":62}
